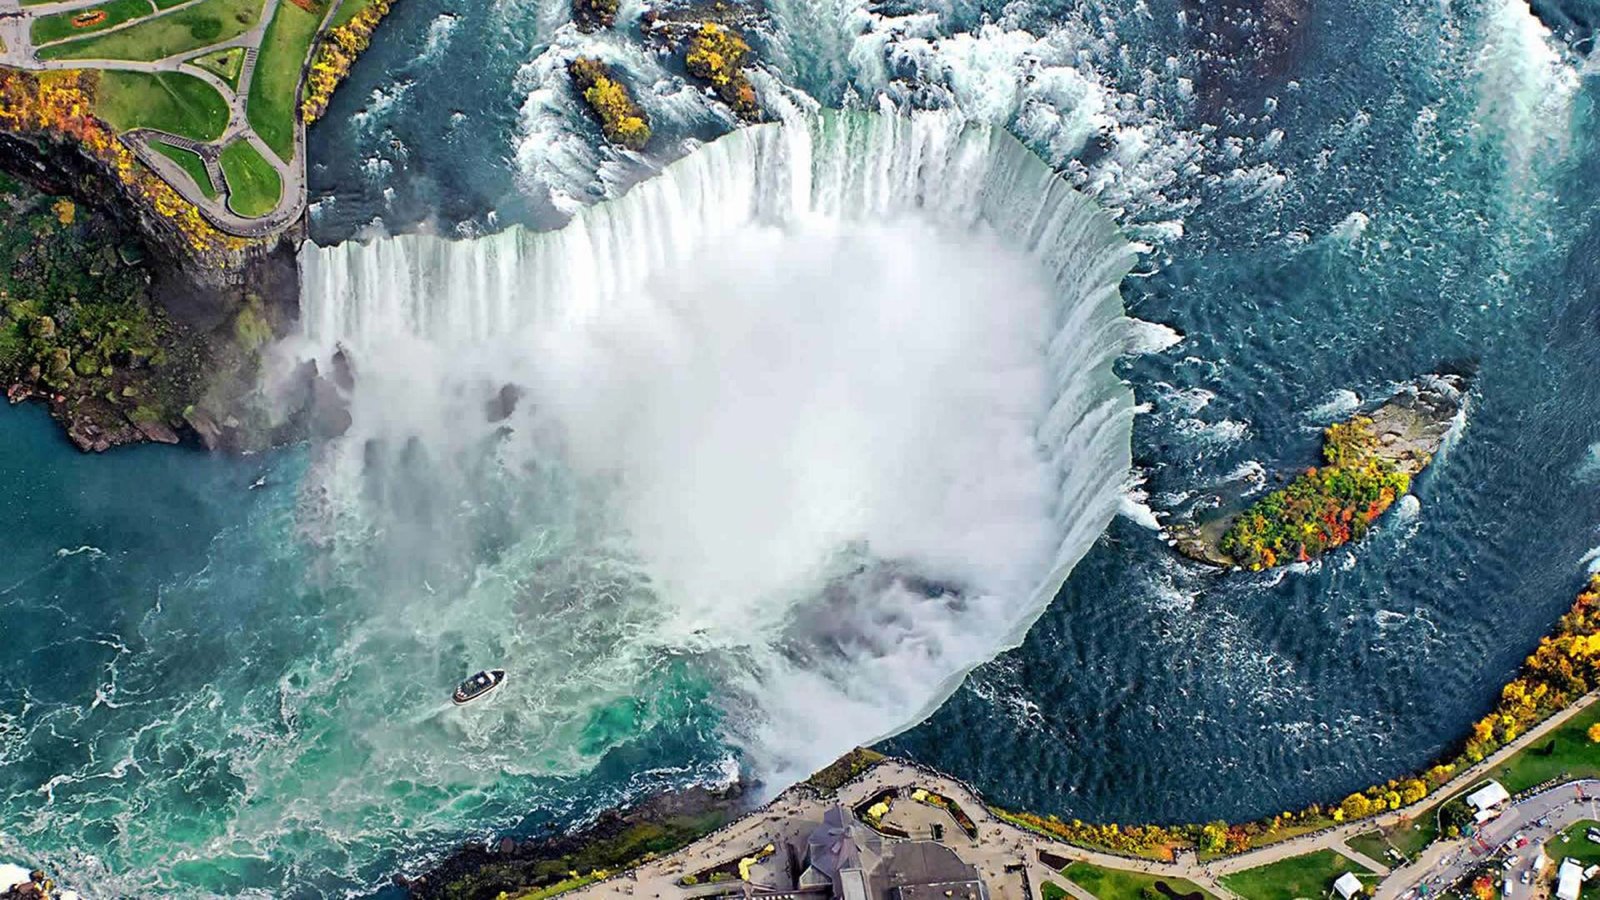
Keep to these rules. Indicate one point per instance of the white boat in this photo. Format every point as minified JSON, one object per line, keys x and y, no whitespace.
{"x":478,"y":685}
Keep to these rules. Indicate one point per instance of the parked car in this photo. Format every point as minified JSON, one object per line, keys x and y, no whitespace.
{"x":1512,"y":860}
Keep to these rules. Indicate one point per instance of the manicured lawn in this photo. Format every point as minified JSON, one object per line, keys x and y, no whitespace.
{"x":1311,"y":875}
{"x":59,"y":26}
{"x":1372,"y":843}
{"x":253,"y":185}
{"x":1117,"y":884}
{"x":224,"y":64}
{"x":1411,"y":837}
{"x":348,"y":9}
{"x":181,"y":31}
{"x":275,"y":90}
{"x":1565,"y":752}
{"x":191,"y":163}
{"x":170,"y":101}
{"x":1052,"y":891}
{"x":1572,"y":844}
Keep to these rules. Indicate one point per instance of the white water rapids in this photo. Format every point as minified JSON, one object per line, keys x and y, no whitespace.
{"x":833,"y":398}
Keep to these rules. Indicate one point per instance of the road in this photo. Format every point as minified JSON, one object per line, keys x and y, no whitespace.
{"x":1447,"y":861}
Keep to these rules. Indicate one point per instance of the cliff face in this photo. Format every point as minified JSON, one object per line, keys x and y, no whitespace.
{"x":200,"y":316}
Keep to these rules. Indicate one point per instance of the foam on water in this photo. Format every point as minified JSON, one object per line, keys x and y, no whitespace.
{"x":842,"y":478}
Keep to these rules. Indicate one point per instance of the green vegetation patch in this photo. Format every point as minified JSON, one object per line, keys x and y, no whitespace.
{"x":1371,"y":844}
{"x":1118,"y":884}
{"x":1052,"y":891}
{"x":167,"y":101}
{"x":842,"y":770}
{"x":1567,"y":752}
{"x":253,"y":184}
{"x":1323,"y":508}
{"x":224,"y":64}
{"x":545,"y":876}
{"x":275,"y":89}
{"x":191,"y":163}
{"x":77,"y":22}
{"x":180,"y":31}
{"x":76,"y":321}
{"x":348,"y":10}
{"x":1572,"y":844}
{"x":1311,"y":875}
{"x":622,"y":120}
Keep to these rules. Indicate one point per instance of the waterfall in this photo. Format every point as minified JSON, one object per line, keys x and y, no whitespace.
{"x":858,"y":462}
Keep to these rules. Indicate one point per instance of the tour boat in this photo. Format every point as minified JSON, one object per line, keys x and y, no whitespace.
{"x":478,"y":685}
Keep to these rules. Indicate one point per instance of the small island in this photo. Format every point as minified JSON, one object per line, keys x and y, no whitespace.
{"x":621,"y":119}
{"x":1369,"y":461}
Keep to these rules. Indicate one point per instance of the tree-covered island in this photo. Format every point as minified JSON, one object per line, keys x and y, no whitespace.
{"x":1368,"y":462}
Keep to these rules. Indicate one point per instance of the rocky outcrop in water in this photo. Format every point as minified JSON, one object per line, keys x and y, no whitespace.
{"x":1369,"y":461}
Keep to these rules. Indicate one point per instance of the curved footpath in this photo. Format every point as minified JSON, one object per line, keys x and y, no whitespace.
{"x":1008,"y":856}
{"x":17,"y":50}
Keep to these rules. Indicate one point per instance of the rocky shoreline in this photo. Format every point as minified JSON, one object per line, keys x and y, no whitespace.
{"x":619,"y":838}
{"x":201,"y":317}
{"x":1408,"y":429}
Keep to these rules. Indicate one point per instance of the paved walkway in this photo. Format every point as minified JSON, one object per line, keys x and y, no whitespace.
{"x":19,"y":52}
{"x":1008,"y":856}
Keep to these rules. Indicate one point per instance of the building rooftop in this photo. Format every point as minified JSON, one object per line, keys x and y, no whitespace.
{"x":860,"y":865}
{"x":1489,"y":796}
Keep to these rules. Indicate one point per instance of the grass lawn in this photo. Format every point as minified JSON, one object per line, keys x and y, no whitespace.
{"x":1117,"y":884}
{"x":1411,"y":837}
{"x":181,"y":31}
{"x":170,"y":101}
{"x":1311,"y":875}
{"x":1372,"y":843}
{"x":348,"y":9}
{"x":224,"y":64}
{"x":59,"y":26}
{"x":191,"y":163}
{"x":253,"y":184}
{"x":1567,"y":751}
{"x":1572,"y":844}
{"x":1052,"y":891}
{"x":275,"y":90}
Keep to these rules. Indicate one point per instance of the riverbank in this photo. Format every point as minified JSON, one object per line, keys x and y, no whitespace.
{"x":140,"y":316}
{"x":1558,"y":681}
{"x":117,"y":338}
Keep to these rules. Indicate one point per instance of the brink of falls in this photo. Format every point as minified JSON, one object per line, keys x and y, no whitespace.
{"x":818,"y":419}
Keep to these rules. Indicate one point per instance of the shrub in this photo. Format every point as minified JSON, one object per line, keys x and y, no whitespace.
{"x":591,"y":15}
{"x":1323,"y":508}
{"x":717,"y":54}
{"x":620,"y":117}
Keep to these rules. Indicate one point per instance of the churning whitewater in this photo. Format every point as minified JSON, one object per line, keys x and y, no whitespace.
{"x":827,"y":408}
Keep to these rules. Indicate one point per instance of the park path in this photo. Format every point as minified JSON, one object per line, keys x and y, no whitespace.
{"x":1002,"y":848}
{"x":19,"y":52}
